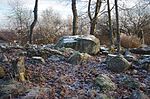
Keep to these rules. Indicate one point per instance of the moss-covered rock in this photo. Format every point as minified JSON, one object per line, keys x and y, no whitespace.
{"x":118,"y":64}
{"x":105,"y":83}
{"x":78,"y":58}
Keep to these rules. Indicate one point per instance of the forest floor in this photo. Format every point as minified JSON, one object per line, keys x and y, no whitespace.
{"x":58,"y":79}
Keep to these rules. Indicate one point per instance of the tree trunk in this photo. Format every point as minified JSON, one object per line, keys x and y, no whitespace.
{"x":93,"y":20}
{"x":117,"y":23}
{"x":75,"y":17}
{"x":34,"y":21}
{"x":110,"y":25}
{"x":93,"y":26}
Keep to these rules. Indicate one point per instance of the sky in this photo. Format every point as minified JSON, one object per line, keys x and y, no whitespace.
{"x":57,"y":5}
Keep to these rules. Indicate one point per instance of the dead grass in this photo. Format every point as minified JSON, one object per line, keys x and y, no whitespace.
{"x":147,"y":38}
{"x":126,"y":41}
{"x":130,"y":41}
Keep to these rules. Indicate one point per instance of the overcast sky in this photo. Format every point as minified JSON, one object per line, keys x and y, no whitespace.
{"x":56,"y":5}
{"x":62,"y":8}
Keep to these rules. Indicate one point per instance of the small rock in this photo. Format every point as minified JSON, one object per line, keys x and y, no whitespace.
{"x":75,"y":58}
{"x":103,"y":96}
{"x":37,"y":92}
{"x":110,"y":56}
{"x":146,"y":66}
{"x":2,"y":72}
{"x":56,"y":58}
{"x":11,"y":88}
{"x":129,"y":82}
{"x":67,"y":51}
{"x":118,"y":64}
{"x":3,"y":58}
{"x":78,"y":58}
{"x":144,"y":50}
{"x":134,"y":71}
{"x":18,"y":66}
{"x":104,"y":50}
{"x":40,"y":59}
{"x":130,"y":58}
{"x":105,"y":83}
{"x":143,"y":85}
{"x":138,"y":95}
{"x":144,"y":62}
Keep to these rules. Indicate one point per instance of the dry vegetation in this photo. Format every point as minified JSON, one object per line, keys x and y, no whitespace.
{"x":147,"y":38}
{"x":127,"y":41}
{"x":7,"y":36}
{"x":130,"y":41}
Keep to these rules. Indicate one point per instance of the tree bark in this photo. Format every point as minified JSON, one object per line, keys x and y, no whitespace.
{"x":75,"y":17}
{"x":93,"y":26}
{"x":34,"y":21}
{"x":93,"y":20}
{"x":117,"y":24}
{"x":110,"y":25}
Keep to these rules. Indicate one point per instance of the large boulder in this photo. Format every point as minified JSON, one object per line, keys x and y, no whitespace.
{"x":118,"y":64}
{"x":83,"y":43}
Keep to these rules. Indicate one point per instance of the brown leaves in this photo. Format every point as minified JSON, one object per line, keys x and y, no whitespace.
{"x":65,"y":80}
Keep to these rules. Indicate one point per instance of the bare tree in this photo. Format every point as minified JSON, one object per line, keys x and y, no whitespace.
{"x":110,"y":24}
{"x":93,"y":19}
{"x":50,"y":26}
{"x":117,"y":26}
{"x":75,"y":17}
{"x":50,"y":21}
{"x":34,"y":21}
{"x":19,"y":18}
{"x":135,"y":18}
